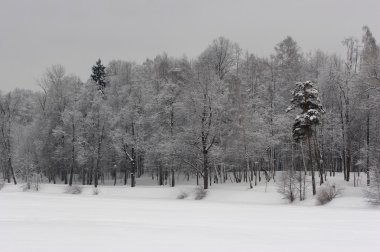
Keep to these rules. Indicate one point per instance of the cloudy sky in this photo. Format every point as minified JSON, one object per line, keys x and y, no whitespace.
{"x":35,"y":34}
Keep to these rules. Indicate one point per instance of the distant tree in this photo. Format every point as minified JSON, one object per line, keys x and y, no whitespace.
{"x":288,"y":60}
{"x":370,"y":81}
{"x":9,"y":110}
{"x":126,"y":100}
{"x":204,"y":114}
{"x":221,"y":56}
{"x":97,"y":123}
{"x":71,"y":122}
{"x":53,"y":103}
{"x":348,"y":78}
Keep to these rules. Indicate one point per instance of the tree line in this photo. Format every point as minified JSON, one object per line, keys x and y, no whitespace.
{"x":219,"y":117}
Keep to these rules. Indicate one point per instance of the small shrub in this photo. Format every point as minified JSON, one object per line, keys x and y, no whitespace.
{"x":287,"y":185}
{"x":183,"y":195}
{"x":200,"y":193}
{"x":25,"y":187}
{"x":36,"y":187}
{"x":73,"y":189}
{"x":28,"y":186}
{"x":36,"y":183}
{"x":95,"y":191}
{"x":2,"y":185}
{"x":32,"y":183}
{"x":327,"y":193}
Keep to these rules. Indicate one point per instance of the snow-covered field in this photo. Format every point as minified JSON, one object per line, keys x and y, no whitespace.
{"x":150,"y":218}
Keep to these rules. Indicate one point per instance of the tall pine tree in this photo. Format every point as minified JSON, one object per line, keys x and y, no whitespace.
{"x":306,"y":97}
{"x":99,"y":75}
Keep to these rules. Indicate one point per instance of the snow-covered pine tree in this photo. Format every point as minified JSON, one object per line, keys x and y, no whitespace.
{"x":99,"y":75}
{"x":306,"y":97}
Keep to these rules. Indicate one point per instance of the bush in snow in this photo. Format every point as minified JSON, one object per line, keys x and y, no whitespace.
{"x":26,"y":187}
{"x":1,"y":185}
{"x":95,"y":191}
{"x":182,"y":195}
{"x":32,"y":183}
{"x":373,"y":190}
{"x":36,"y":186}
{"x":73,"y":189}
{"x":200,"y":193}
{"x":327,"y":193}
{"x":287,"y":185}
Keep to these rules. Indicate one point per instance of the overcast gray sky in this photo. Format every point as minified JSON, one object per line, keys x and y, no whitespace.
{"x":35,"y":34}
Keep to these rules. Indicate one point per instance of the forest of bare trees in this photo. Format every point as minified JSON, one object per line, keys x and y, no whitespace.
{"x":219,"y":117}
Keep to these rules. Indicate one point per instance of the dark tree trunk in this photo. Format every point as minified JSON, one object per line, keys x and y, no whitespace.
{"x":96,"y":178}
{"x":173,"y":178}
{"x":65,"y":175}
{"x":11,"y":171}
{"x":160,"y":175}
{"x":317,"y":159}
{"x":125,"y":174}
{"x":72,"y":156}
{"x":53,"y":176}
{"x":133,"y":168}
{"x":115,"y":178}
{"x":91,"y":173}
{"x":83,"y":176}
{"x":348,"y":168}
{"x":311,"y":165}
{"x":98,"y":158}
{"x":343,"y":139}
{"x":205,"y":169}
{"x":367,"y":163}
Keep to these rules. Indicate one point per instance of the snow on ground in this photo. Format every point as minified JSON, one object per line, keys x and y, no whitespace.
{"x":150,"y":218}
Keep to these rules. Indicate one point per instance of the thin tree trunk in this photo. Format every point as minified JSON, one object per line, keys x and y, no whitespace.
{"x":205,"y":169}
{"x":317,"y":159}
{"x":173,"y":178}
{"x":343,"y":139}
{"x":311,"y":165}
{"x":83,"y":176}
{"x":11,"y":171}
{"x":72,"y":155}
{"x":98,"y":157}
{"x":133,"y":169}
{"x":160,"y":175}
{"x":126,"y":172}
{"x":367,"y":163}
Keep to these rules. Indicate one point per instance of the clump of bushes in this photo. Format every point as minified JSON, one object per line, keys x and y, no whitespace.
{"x":327,"y":193}
{"x":183,"y":195}
{"x":200,"y":193}
{"x":73,"y":189}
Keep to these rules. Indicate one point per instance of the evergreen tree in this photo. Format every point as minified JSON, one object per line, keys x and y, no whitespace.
{"x":306,"y":97}
{"x":99,"y":75}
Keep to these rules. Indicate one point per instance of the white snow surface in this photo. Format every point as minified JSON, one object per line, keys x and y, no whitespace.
{"x":150,"y":218}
